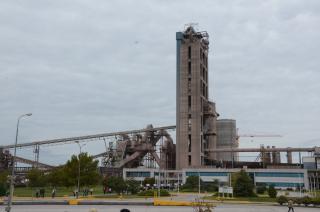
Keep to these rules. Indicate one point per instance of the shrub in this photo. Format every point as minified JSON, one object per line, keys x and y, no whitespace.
{"x":315,"y":201}
{"x":150,"y":193}
{"x":297,"y":201}
{"x":306,"y":200}
{"x":282,"y":199}
{"x":272,"y":192}
{"x":261,"y":189}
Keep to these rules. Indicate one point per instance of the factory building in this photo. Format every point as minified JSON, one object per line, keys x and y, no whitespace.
{"x":280,"y":178}
{"x":195,"y":115}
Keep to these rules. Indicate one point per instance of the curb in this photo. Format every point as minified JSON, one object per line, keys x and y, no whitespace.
{"x":77,"y":202}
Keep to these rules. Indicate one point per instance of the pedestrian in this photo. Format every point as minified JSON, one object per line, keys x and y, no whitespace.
{"x":37,"y":193}
{"x":91,"y":191}
{"x":53,"y":193}
{"x":290,"y":205}
{"x":42,"y":191}
{"x":104,"y":190}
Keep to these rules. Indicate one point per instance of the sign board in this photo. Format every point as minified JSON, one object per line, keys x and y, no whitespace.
{"x":226,"y":190}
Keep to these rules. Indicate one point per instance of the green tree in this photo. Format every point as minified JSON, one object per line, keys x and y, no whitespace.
{"x":211,"y":186}
{"x":4,"y":177}
{"x":272,"y":192}
{"x":36,"y":178}
{"x":57,"y":177}
{"x":3,"y":183}
{"x":133,"y":186}
{"x":117,"y":184}
{"x":89,"y":174}
{"x":243,"y":185}
{"x":192,"y":183}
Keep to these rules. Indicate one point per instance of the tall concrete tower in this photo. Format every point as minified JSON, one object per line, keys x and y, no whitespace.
{"x":196,"y":115}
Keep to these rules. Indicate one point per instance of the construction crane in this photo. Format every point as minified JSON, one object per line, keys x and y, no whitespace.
{"x":259,"y":135}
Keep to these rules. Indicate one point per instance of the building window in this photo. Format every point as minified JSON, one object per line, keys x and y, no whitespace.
{"x":207,"y":174}
{"x":203,"y":90}
{"x":189,"y":160}
{"x":189,"y":143}
{"x":189,"y":122}
{"x":279,"y":174}
{"x":189,"y":102}
{"x":189,"y":52}
{"x":206,"y":77}
{"x":138,"y":174}
{"x":189,"y":68}
{"x":201,"y":141}
{"x":189,"y":84}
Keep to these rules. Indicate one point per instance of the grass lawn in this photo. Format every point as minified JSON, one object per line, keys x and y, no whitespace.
{"x":60,"y":191}
{"x":63,"y":191}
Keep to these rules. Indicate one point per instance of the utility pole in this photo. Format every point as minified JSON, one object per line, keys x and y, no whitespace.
{"x":8,"y":208}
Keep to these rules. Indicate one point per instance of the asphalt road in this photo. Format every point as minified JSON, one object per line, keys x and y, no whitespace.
{"x":220,"y":208}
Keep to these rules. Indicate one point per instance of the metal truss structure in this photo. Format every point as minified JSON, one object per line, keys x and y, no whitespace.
{"x":132,"y":149}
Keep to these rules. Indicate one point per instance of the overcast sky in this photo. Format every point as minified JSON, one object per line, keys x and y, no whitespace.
{"x":85,"y":67}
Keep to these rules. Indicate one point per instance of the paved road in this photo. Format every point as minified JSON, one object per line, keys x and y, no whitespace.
{"x":220,"y":208}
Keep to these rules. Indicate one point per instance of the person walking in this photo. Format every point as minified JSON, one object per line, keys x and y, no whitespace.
{"x":53,"y":193}
{"x":290,"y":205}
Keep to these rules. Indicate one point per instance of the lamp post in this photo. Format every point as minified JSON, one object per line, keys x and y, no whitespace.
{"x":79,"y":167}
{"x":8,"y":208}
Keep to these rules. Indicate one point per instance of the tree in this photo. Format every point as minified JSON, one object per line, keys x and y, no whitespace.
{"x":192,"y":183}
{"x":88,"y":171}
{"x":4,"y":177}
{"x":133,"y":186}
{"x":272,"y":192}
{"x":36,"y":178}
{"x":117,"y":184}
{"x":3,"y":183}
{"x":243,"y":185}
{"x":211,"y":186}
{"x":57,"y":177}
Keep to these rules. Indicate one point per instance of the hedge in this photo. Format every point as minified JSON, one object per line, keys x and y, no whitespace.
{"x":299,"y":200}
{"x":150,"y":193}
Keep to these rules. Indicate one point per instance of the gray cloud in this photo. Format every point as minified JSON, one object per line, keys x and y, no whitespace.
{"x":87,"y":67}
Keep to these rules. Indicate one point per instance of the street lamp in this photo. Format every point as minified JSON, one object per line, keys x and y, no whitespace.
{"x":79,"y":167}
{"x":8,"y":208}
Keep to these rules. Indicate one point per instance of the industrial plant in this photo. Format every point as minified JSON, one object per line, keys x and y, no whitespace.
{"x":204,"y":145}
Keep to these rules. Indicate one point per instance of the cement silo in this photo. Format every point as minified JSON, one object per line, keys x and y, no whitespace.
{"x":227,"y":138}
